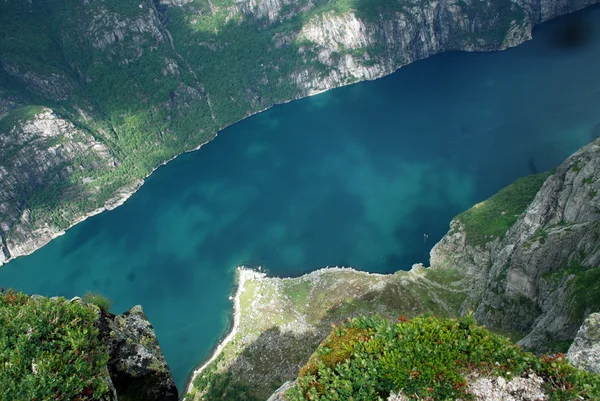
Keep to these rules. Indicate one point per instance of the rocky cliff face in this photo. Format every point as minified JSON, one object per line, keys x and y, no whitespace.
{"x":137,"y":367}
{"x":538,"y":278}
{"x":136,"y":83}
{"x":44,"y":156}
{"x":537,"y":281}
{"x":584,"y":353}
{"x":357,"y":44}
{"x":53,"y":348}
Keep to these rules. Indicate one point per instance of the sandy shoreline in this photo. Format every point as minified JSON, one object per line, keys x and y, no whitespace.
{"x":244,"y":274}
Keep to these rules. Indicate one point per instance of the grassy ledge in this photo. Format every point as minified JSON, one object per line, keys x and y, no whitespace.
{"x":493,"y":217}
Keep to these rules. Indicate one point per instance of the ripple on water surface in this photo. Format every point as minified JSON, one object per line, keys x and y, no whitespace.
{"x":354,"y":176}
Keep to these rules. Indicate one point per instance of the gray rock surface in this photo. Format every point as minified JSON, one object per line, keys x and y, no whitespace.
{"x":36,"y":156}
{"x":488,"y":388}
{"x":342,"y":43}
{"x":278,"y":395}
{"x":523,"y":282}
{"x":584,"y":353}
{"x":137,"y":367}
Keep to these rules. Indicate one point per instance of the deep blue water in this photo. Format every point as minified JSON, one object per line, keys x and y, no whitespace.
{"x":354,"y":176}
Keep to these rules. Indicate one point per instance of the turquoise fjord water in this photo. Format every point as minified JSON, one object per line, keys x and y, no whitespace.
{"x":354,"y":176}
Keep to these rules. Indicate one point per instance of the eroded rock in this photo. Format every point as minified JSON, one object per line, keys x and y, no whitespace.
{"x":585,"y":350}
{"x":137,"y":367}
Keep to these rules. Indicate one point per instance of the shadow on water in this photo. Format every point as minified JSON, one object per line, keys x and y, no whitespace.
{"x":106,"y":228}
{"x":168,"y":275}
{"x":574,"y":34}
{"x":571,"y":32}
{"x":531,"y":165}
{"x":595,"y":133}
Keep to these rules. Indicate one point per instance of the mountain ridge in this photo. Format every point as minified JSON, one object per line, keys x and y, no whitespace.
{"x":149,"y":80}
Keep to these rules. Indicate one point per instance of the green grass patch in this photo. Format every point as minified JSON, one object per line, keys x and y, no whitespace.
{"x":426,"y":357}
{"x":298,"y":292}
{"x":49,"y":349}
{"x":492,"y":218}
{"x":586,"y":292}
{"x":101,"y":301}
{"x":18,"y":116}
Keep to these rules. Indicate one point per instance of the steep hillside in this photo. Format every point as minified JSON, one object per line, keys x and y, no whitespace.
{"x":541,"y":277}
{"x":96,"y":94}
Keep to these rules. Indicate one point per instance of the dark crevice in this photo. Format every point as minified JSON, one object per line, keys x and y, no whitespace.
{"x":5,"y":250}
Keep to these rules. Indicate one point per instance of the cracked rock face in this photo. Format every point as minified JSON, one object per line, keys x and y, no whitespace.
{"x":52,"y":85}
{"x":585,"y":350}
{"x":137,"y":367}
{"x":39,"y":153}
{"x":519,"y":283}
{"x":344,"y":42}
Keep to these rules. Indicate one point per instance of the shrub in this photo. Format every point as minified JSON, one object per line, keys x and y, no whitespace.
{"x":98,"y":299}
{"x":425,"y":357}
{"x":49,"y":349}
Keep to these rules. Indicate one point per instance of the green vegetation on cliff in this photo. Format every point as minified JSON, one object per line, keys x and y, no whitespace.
{"x":493,"y":217}
{"x":431,"y":358}
{"x":149,"y":80}
{"x":49,"y":349}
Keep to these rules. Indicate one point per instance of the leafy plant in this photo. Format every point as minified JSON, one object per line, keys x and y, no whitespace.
{"x":98,"y":299}
{"x":425,"y":357}
{"x":49,"y":349}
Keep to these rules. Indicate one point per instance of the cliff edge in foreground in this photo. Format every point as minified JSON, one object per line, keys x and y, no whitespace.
{"x":72,"y":350}
{"x":430,"y":359}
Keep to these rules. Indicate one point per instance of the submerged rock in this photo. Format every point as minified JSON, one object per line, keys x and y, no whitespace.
{"x":585,"y":350}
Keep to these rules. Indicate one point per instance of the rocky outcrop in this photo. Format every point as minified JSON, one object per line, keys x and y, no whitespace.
{"x":584,"y":353}
{"x":113,"y":31}
{"x":53,"y":86}
{"x":137,"y":367}
{"x":40,"y":156}
{"x":531,"y":280}
{"x":121,"y":350}
{"x":278,"y":395}
{"x":485,"y":388}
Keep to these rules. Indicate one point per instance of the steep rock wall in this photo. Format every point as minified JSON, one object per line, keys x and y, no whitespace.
{"x":533,"y":280}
